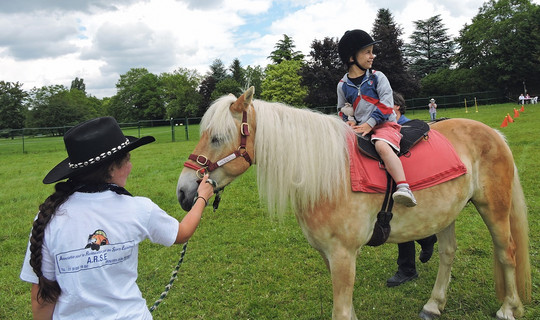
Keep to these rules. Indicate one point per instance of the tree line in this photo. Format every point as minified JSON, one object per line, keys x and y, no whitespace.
{"x":498,"y":50}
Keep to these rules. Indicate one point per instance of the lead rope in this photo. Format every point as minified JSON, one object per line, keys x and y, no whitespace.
{"x":174,"y":275}
{"x":171,"y":281}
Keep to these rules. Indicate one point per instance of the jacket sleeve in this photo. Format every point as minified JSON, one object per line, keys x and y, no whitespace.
{"x":386,"y":100}
{"x":341,"y":100}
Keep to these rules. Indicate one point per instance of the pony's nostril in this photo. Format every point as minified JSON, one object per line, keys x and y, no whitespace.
{"x":181,"y":196}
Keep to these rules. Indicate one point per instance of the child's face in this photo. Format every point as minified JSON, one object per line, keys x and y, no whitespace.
{"x":365,"y":57}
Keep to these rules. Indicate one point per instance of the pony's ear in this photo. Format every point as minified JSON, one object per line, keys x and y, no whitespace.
{"x":242,"y":104}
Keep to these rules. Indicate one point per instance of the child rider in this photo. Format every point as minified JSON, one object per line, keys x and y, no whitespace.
{"x":370,"y":94}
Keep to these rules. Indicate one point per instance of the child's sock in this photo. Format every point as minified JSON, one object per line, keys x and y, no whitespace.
{"x":402,"y":184}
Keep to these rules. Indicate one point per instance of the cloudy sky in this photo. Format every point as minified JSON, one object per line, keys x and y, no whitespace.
{"x":49,"y":42}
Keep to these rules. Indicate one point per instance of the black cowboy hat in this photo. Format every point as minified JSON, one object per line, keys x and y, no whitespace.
{"x":89,"y":144}
{"x":351,"y":42}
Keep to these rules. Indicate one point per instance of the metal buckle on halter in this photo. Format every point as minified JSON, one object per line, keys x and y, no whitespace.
{"x":244,"y":129}
{"x":200,"y":173}
{"x":202,"y":163}
{"x":240,"y":152}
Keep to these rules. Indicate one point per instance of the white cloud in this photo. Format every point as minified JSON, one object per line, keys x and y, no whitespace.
{"x":98,"y":40}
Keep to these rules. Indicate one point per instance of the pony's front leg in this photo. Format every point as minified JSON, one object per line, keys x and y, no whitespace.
{"x":447,"y":251}
{"x":342,"y":264}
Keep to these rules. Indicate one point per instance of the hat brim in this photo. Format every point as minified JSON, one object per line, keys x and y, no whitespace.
{"x":63,"y":171}
{"x":371,"y":43}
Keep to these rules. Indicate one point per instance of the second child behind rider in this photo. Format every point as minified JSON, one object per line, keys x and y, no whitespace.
{"x":370,"y":94}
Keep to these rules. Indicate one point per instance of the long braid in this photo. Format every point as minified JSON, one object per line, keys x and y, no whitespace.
{"x":49,"y":290}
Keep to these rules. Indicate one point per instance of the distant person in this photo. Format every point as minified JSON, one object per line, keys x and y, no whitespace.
{"x":407,"y":251}
{"x":432,"y":109}
{"x":521,"y":99}
{"x":83,"y":251}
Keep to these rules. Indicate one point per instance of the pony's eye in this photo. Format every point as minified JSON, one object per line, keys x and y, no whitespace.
{"x":217,"y":140}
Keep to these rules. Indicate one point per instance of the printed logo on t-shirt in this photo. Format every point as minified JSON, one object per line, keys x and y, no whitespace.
{"x":97,"y":239}
{"x":96,"y":254}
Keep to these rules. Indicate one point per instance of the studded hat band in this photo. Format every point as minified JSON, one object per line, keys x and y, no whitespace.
{"x":99,"y":157}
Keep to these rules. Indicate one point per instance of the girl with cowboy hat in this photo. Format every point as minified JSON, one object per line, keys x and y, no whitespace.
{"x":83,"y":249}
{"x":370,"y":94}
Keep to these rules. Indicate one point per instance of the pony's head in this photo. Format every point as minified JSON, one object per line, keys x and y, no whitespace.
{"x":225,"y":148}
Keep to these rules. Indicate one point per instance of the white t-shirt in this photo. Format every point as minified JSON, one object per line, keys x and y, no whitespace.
{"x":91,"y":249}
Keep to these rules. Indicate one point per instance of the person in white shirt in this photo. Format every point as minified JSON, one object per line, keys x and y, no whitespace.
{"x":521,"y":99}
{"x":82,"y":255}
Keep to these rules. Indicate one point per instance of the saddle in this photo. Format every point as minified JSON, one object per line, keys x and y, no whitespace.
{"x":412,"y":132}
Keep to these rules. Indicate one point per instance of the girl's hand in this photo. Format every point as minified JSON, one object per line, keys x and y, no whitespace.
{"x":364,"y":129}
{"x":205,"y":190}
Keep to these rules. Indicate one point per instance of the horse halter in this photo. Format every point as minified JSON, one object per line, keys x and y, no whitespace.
{"x":204,"y":164}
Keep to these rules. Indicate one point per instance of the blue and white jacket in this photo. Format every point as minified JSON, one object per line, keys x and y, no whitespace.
{"x":372,"y":101}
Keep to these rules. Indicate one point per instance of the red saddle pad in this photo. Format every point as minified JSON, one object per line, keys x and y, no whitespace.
{"x":429,"y":163}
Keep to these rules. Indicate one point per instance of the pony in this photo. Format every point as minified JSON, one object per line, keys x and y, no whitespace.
{"x":302,"y":163}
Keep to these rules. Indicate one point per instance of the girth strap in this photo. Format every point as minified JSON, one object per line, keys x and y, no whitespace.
{"x":381,"y":230}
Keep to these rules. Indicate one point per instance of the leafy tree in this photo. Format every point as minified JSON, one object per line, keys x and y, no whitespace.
{"x":237,"y":72}
{"x":139,"y":97}
{"x":322,"y":72}
{"x":150,"y":98}
{"x":283,"y":83}
{"x":502,"y":45}
{"x":78,"y":84}
{"x":12,"y":110}
{"x":389,"y":58}
{"x":431,"y":47}
{"x":55,"y":106}
{"x":208,"y":85}
{"x":226,"y":86}
{"x":180,"y":92}
{"x":451,"y":82}
{"x":218,"y":70}
{"x":284,"y":51}
{"x":254,"y":77}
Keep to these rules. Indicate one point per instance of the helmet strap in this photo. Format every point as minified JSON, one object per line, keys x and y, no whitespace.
{"x":358,"y":65}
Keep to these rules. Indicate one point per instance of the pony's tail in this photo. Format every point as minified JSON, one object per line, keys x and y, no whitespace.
{"x":519,"y":229}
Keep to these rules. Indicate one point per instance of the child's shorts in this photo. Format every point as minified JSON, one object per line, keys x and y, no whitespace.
{"x":388,"y":132}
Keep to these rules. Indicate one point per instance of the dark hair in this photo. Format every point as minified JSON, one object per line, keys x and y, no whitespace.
{"x":399,"y":101}
{"x":49,"y":290}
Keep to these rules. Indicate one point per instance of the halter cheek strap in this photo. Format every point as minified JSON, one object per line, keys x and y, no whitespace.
{"x":204,"y":163}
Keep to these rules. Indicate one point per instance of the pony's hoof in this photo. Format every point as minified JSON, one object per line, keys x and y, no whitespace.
{"x":501,"y":316}
{"x":425,"y":315}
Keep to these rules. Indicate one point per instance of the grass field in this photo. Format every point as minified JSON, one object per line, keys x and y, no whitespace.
{"x":243,"y":264}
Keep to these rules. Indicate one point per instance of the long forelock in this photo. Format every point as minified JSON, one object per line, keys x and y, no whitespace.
{"x":218,"y":119}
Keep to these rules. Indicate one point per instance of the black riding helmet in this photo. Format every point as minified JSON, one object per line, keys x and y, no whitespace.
{"x":351,"y":42}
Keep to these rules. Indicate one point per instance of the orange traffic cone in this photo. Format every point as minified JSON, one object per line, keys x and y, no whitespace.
{"x":516,"y":113}
{"x":509,"y":118}
{"x":522,"y":108}
{"x":505,"y":122}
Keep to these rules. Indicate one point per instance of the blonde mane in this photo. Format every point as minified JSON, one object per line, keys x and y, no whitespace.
{"x":293,"y":148}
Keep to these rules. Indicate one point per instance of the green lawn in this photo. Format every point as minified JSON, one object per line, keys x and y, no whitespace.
{"x":242,"y":264}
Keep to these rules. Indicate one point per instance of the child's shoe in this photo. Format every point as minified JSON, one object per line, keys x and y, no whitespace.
{"x":404,"y":196}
